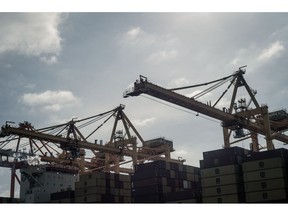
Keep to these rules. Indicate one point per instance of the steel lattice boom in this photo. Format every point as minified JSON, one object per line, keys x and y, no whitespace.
{"x":235,"y":118}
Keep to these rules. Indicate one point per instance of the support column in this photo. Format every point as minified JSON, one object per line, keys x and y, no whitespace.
{"x":107,"y":162}
{"x":117,"y":166}
{"x":267,"y":129}
{"x":255,"y":143}
{"x":12,"y":183}
{"x":134,"y":154}
{"x":226,"y":137}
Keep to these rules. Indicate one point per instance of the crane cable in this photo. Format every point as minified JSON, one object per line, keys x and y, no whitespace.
{"x":60,"y":125}
{"x":210,"y":88}
{"x":196,"y":114}
{"x":202,"y":84}
{"x":59,"y":129}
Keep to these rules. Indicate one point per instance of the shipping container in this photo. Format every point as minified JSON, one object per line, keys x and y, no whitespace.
{"x":281,"y":152}
{"x":232,"y":198}
{"x":264,"y":174}
{"x":222,"y":190}
{"x":220,"y":171}
{"x":149,"y":190}
{"x":155,"y":198}
{"x":124,"y":192}
{"x":94,"y":198}
{"x":62,"y":195}
{"x":150,"y":182}
{"x":218,"y":153}
{"x":222,"y":157}
{"x":266,"y":196}
{"x":221,"y":180}
{"x":263,"y":164}
{"x":180,"y":196}
{"x":271,"y":184}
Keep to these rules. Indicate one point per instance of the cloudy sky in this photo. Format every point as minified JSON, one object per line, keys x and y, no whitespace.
{"x":56,"y":66}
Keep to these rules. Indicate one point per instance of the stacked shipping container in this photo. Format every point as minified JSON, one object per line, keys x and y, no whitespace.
{"x":103,"y":187}
{"x":63,"y":197}
{"x":162,"y":182}
{"x":221,"y":175}
{"x":232,"y":175}
{"x":265,"y":176}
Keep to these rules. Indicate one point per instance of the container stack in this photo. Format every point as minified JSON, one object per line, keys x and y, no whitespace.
{"x":10,"y":200}
{"x":265,"y":176}
{"x":103,"y":187}
{"x":63,"y":197}
{"x":221,"y":175}
{"x":162,"y":182}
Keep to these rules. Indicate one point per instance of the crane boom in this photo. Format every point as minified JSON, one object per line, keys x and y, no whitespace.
{"x":5,"y":130}
{"x":229,"y":120}
{"x":65,"y":142}
{"x":168,"y":95}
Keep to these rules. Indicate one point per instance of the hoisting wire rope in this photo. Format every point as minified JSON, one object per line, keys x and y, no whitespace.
{"x":5,"y":142}
{"x":195,"y":113}
{"x":95,"y":119}
{"x":232,"y":81}
{"x":59,"y":129}
{"x":99,"y":126}
{"x":76,"y":121}
{"x":202,"y":84}
{"x":210,"y":88}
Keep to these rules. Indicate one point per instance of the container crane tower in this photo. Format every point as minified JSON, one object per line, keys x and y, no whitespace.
{"x":235,"y":118}
{"x":67,"y":145}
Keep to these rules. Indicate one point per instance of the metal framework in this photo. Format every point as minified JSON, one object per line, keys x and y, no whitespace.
{"x":66,"y":145}
{"x":235,"y":118}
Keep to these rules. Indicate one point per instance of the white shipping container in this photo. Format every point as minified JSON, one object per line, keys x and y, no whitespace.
{"x":219,"y":171}
{"x":221,"y":180}
{"x":264,"y":174}
{"x":271,"y":184}
{"x":263,"y":164}
{"x":220,"y":190}
{"x":266,"y":196}
{"x":232,"y":198}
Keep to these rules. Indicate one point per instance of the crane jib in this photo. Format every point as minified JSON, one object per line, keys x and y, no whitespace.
{"x":229,"y":120}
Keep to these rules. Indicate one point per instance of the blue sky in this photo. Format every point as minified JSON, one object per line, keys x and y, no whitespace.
{"x":56,"y":66}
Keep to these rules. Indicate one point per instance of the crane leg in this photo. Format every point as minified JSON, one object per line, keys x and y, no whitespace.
{"x":226,"y":137}
{"x":267,"y":129}
{"x":255,"y":143}
{"x":12,"y":184}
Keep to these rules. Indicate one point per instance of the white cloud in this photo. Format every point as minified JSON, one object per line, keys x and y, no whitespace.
{"x":7,"y":66}
{"x":50,"y":100}
{"x":273,"y":50}
{"x":179,"y":82}
{"x":30,"y":86}
{"x":253,"y":56}
{"x":144,"y":122}
{"x":182,"y":152}
{"x":31,"y":34}
{"x":136,"y":36}
{"x":49,"y":59}
{"x":134,"y":32}
{"x":236,"y":62}
{"x":245,"y":56}
{"x":162,"y":55}
{"x":154,"y":47}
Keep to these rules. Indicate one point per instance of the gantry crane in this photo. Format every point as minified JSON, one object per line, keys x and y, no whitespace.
{"x":47,"y":143}
{"x":235,"y":118}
